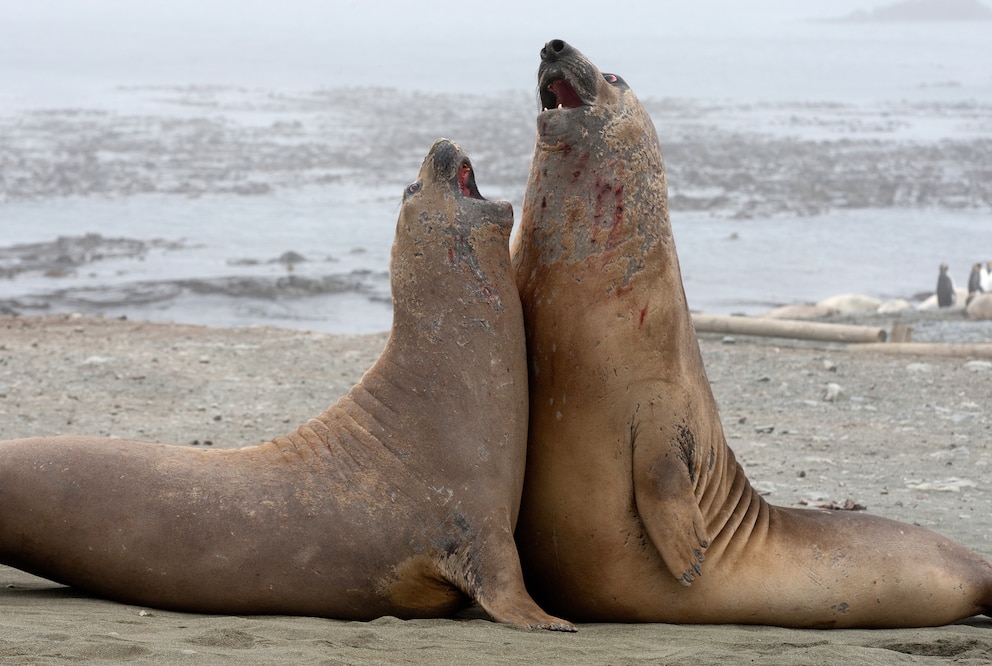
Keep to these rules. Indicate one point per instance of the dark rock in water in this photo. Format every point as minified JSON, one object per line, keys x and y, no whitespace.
{"x":290,"y":258}
{"x":287,"y":287}
{"x":58,"y":257}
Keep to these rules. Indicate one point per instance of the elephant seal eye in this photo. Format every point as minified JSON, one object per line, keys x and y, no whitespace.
{"x":613,"y":79}
{"x":412,"y":188}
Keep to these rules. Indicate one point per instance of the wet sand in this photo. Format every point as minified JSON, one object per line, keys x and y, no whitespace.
{"x":908,"y":437}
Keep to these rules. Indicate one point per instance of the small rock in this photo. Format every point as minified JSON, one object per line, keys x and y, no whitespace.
{"x":949,"y":485}
{"x":765,"y":429}
{"x":915,"y":368}
{"x":763,"y":487}
{"x":729,"y":340}
{"x":848,"y":505}
{"x":290,"y":258}
{"x":829,"y":365}
{"x":979,"y":366}
{"x":833,"y":392}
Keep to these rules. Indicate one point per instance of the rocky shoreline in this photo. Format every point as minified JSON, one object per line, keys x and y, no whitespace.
{"x":812,"y":157}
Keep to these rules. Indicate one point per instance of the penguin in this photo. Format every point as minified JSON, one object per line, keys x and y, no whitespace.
{"x":945,"y":288}
{"x":986,"y":277}
{"x":974,"y":282}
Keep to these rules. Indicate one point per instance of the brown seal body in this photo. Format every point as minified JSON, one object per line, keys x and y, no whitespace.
{"x":400,"y":499}
{"x":634,"y":507}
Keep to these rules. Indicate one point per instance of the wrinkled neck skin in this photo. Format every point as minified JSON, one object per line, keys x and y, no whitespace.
{"x":457,"y":321}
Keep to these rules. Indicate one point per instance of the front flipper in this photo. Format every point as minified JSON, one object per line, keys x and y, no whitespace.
{"x":487,"y":569}
{"x":663,"y":473}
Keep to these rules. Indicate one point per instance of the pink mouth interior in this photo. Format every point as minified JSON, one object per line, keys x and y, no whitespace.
{"x":463,"y":173}
{"x":565,"y":95}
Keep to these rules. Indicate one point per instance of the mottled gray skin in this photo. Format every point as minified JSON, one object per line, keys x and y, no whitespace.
{"x":400,"y":499}
{"x":634,"y":507}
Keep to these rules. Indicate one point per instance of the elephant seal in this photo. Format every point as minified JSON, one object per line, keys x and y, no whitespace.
{"x":400,"y":499}
{"x":634,"y":507}
{"x":980,"y":308}
{"x":851,"y":304}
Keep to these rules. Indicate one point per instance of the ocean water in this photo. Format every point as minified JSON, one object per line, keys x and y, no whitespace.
{"x":237,"y":163}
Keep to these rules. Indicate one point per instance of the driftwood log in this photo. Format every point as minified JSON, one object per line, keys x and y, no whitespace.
{"x":963,"y":350}
{"x":787,"y":328}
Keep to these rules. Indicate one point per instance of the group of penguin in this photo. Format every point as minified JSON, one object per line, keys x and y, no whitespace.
{"x":980,"y":281}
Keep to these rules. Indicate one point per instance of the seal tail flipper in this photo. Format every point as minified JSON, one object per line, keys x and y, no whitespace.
{"x":666,"y":503}
{"x":493,"y":578}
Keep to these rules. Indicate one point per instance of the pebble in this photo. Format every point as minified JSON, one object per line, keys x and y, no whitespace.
{"x":979,"y":366}
{"x":950,"y":485}
{"x":763,"y":487}
{"x":833,"y":392}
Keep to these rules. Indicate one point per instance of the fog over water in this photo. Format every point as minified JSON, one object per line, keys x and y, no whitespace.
{"x":241,"y":162}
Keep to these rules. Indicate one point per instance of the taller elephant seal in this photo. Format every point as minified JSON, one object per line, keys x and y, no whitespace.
{"x":400,"y":499}
{"x":630,"y":483}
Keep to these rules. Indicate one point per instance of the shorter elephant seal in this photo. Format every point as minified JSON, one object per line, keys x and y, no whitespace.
{"x":634,"y":507}
{"x":400,"y":499}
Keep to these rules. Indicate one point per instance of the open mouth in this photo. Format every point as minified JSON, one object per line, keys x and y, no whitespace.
{"x":466,"y":181}
{"x":559,"y":94}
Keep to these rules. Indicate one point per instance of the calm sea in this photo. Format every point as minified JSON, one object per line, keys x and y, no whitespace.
{"x":236,"y":163}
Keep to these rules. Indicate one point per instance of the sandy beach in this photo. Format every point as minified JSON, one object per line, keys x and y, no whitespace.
{"x":907,"y":437}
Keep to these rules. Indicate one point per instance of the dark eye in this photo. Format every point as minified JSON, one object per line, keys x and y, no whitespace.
{"x":613,"y":79}
{"x":412,"y":188}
